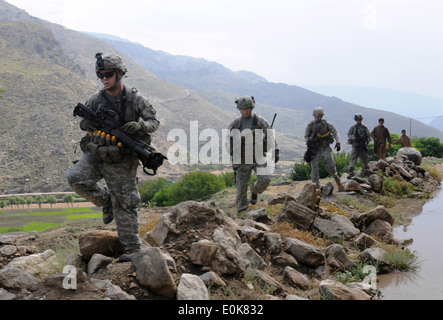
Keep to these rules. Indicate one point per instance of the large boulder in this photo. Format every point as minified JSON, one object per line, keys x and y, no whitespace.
{"x":100,"y":241}
{"x":221,"y":249}
{"x":301,"y":216}
{"x":412,"y":154}
{"x":152,"y":272}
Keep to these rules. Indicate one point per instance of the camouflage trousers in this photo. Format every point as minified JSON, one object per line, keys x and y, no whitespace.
{"x":120,"y":192}
{"x":326,"y":154}
{"x":355,"y":155}
{"x":243,"y":175}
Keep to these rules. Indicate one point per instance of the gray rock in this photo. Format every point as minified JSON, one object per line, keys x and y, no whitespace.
{"x":363,"y":220}
{"x":382,"y":230}
{"x":8,"y":250}
{"x":304,"y":252}
{"x":202,"y":252}
{"x":334,"y":230}
{"x":308,"y":196}
{"x":255,"y":260}
{"x":37,"y":264}
{"x":191,"y":287}
{"x":281,"y":198}
{"x":412,"y":154}
{"x":152,"y":272}
{"x":376,"y":256}
{"x":301,"y":216}
{"x":337,"y":258}
{"x":97,"y":262}
{"x":334,"y":290}
{"x":11,"y":237}
{"x":5,"y":295}
{"x":15,"y":278}
{"x":364,"y":241}
{"x":100,"y":241}
{"x":211,"y":279}
{"x":113,"y":292}
{"x":296,"y":278}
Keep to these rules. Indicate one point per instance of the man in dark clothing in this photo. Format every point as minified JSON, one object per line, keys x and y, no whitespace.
{"x":380,"y":134}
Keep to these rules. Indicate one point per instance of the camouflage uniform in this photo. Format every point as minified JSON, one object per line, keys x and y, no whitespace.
{"x":243,"y":167}
{"x":120,"y":196}
{"x":359,"y":137}
{"x":325,"y":134}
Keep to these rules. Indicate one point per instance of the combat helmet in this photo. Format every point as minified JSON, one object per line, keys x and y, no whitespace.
{"x":318,"y":111}
{"x":110,"y":61}
{"x":358,"y":116}
{"x":245,"y":102}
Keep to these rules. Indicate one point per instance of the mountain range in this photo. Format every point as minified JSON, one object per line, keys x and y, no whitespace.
{"x":46,"y":69}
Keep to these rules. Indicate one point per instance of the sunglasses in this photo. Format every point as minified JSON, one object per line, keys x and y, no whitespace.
{"x":108,"y":74}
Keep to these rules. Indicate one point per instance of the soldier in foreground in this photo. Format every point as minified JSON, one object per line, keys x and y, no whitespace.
{"x":319,"y":135}
{"x":359,"y":137}
{"x":244,"y":152}
{"x":120,"y":197}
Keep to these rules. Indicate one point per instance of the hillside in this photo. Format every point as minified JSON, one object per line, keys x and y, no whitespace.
{"x":47,"y":70}
{"x":294,"y":104}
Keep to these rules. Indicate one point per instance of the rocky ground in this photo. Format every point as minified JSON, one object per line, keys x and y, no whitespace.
{"x":291,"y":245}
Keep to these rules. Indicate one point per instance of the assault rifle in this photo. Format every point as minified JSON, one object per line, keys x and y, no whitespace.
{"x":149,"y":157}
{"x":312,"y":148}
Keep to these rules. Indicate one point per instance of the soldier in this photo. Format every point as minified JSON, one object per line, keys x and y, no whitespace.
{"x":120,"y":196}
{"x":380,"y":134}
{"x":359,"y":137}
{"x":246,"y":160}
{"x":322,"y":133}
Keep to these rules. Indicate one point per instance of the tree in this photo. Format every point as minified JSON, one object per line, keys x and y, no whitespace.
{"x":69,"y":199}
{"x":39,"y":199}
{"x":29,"y":200}
{"x":51,"y":200}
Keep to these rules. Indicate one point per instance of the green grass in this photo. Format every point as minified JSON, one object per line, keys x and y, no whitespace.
{"x":82,"y":213}
{"x":32,"y":226}
{"x":84,"y":216}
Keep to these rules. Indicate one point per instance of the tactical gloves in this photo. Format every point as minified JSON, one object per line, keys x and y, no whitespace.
{"x":338,"y":146}
{"x":88,"y":125}
{"x":276,"y":155}
{"x":133,"y":127}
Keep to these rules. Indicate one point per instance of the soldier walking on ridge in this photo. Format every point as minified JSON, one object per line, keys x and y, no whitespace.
{"x":359,"y":137}
{"x":320,"y":134}
{"x":243,"y":167}
{"x":120,"y":197}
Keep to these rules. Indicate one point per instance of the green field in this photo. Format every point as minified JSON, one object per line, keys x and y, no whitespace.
{"x":41,"y":220}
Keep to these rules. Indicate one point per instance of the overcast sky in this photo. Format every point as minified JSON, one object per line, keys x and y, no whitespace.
{"x":393,"y":44}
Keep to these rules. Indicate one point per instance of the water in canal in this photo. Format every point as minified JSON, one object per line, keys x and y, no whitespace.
{"x":426,"y":229}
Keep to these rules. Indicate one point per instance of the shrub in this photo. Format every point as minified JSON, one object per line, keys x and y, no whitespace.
{"x":150,"y":187}
{"x":429,"y":147}
{"x":193,"y":186}
{"x":301,"y":170}
{"x":392,"y":186}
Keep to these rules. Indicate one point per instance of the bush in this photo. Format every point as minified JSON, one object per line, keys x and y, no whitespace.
{"x":150,"y":187}
{"x":429,"y":147}
{"x":301,"y":171}
{"x":393,"y":186}
{"x":193,"y":186}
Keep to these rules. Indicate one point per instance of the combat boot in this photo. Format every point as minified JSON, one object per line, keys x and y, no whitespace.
{"x":254,"y":198}
{"x":108,"y":215}
{"x":127,"y":255}
{"x":340,"y":186}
